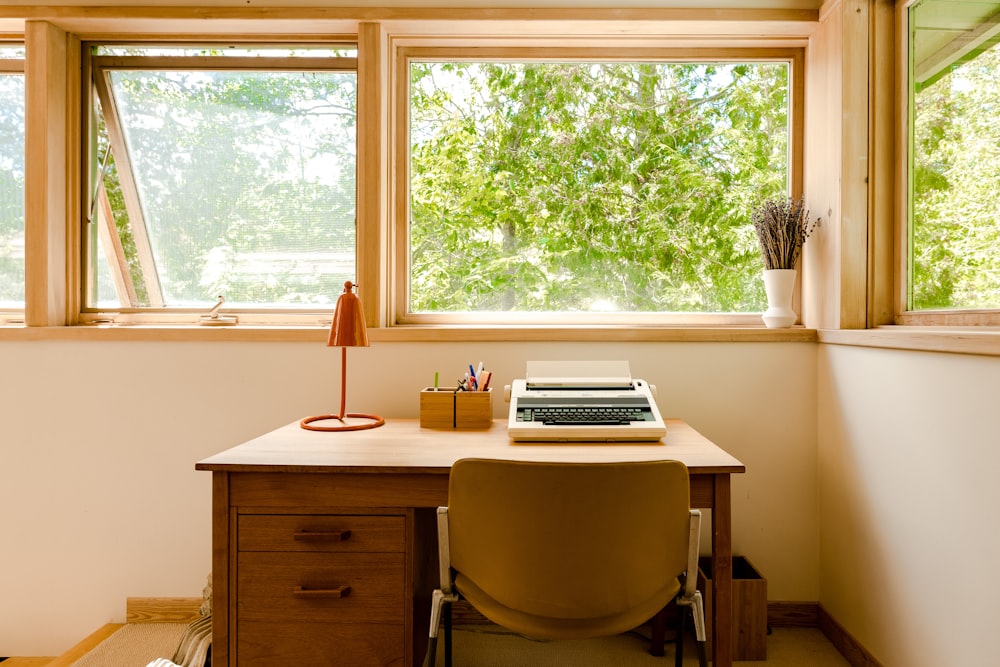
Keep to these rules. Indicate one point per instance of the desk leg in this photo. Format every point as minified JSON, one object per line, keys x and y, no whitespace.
{"x":220,"y":569}
{"x":722,"y":574}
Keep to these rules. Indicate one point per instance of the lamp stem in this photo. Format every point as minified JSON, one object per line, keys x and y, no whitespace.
{"x":343,"y":384}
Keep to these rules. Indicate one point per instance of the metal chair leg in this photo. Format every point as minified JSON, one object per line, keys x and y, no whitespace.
{"x":679,"y":643}
{"x":658,"y":633}
{"x":702,"y":656}
{"x":440,"y":605}
{"x":431,"y":656}
{"x":447,"y":634}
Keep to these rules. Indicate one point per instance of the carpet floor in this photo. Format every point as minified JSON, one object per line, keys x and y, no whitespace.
{"x":135,"y":645}
{"x":489,"y":646}
{"x":138,"y":644}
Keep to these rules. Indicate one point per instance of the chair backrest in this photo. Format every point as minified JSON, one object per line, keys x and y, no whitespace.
{"x":569,"y":540}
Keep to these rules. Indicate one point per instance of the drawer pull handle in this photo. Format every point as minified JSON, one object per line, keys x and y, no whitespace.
{"x":322,"y":535}
{"x":304,"y":593}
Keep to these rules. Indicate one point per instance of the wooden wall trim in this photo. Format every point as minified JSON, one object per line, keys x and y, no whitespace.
{"x":162,"y":610}
{"x":47,"y":134}
{"x":882,"y":187}
{"x":847,"y":645}
{"x":86,"y":645}
{"x":793,"y":614}
{"x":981,"y":341}
{"x":280,"y":11}
{"x":821,"y":182}
{"x":836,"y":259}
{"x":855,"y":165}
{"x":371,"y":182}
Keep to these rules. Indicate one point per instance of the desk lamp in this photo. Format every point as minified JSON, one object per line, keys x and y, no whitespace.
{"x":348,"y":330}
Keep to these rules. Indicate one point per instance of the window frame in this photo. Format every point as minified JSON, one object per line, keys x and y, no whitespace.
{"x":95,"y":83}
{"x":903,"y":316}
{"x":57,"y":79}
{"x":554,"y":50}
{"x":10,"y":66}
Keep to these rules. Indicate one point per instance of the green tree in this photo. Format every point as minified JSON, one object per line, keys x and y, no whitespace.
{"x":235,"y":170}
{"x":955,"y":200}
{"x":581,"y":186}
{"x":12,"y":189}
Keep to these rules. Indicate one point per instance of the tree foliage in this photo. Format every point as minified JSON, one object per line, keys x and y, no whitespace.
{"x":582,"y":186}
{"x":534,"y":187}
{"x":246,"y":182}
{"x":956,"y":199}
{"x":11,"y":189}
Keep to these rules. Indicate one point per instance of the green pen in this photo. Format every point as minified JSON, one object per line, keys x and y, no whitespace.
{"x":435,"y":379}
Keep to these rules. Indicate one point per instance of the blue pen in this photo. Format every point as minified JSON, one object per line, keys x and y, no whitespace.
{"x":472,"y":377}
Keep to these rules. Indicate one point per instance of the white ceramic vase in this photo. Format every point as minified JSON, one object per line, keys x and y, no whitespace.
{"x":778,"y":283}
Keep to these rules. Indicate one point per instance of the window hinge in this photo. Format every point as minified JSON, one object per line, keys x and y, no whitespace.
{"x":214,"y":319}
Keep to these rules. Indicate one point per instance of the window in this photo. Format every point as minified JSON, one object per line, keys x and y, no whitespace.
{"x":589,"y":187}
{"x":221,"y":172}
{"x":954,"y":158}
{"x":11,"y":183}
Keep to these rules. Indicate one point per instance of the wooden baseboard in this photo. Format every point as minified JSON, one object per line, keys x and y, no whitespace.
{"x":463,"y":613}
{"x":849,"y":647}
{"x":793,"y":614}
{"x":85,"y":646}
{"x":162,"y":610}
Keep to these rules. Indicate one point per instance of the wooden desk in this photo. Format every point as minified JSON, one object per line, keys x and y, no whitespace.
{"x":281,"y":504}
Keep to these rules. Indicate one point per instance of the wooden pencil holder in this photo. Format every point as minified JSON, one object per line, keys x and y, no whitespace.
{"x":447,"y":408}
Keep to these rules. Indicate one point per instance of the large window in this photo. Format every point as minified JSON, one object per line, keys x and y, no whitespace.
{"x":953,"y":259}
{"x":11,"y":183}
{"x":590,"y":188}
{"x":221,"y":172}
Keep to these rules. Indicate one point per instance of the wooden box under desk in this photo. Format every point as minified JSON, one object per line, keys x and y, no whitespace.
{"x":749,"y":608}
{"x":281,"y":562}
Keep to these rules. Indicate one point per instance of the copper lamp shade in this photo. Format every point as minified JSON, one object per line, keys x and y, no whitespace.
{"x":348,"y":330}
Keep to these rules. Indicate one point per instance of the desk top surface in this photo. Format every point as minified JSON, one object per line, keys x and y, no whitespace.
{"x":401,"y":446}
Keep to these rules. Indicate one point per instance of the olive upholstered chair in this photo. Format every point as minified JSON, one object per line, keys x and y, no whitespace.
{"x":568,"y":550}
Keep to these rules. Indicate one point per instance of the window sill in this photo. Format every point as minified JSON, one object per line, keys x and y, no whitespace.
{"x":958,"y":340}
{"x":406,"y":334}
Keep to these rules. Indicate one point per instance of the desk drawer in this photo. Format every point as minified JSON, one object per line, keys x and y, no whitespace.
{"x":283,"y":644}
{"x":320,"y":587}
{"x":321,"y":532}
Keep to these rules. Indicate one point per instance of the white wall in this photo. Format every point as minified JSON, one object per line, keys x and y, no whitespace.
{"x":100,"y":500}
{"x":910,"y":543}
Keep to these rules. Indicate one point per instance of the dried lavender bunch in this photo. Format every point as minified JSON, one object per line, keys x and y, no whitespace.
{"x":782,"y":227}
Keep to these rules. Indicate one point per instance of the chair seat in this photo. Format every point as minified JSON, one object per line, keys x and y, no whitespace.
{"x":531,"y":625}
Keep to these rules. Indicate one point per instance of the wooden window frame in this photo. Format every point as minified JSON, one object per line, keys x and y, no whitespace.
{"x":959,"y":317}
{"x":540,"y":50}
{"x":100,"y":66}
{"x":10,"y":66}
{"x":56,"y":196}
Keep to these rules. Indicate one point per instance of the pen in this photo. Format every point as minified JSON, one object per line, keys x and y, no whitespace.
{"x":435,"y":379}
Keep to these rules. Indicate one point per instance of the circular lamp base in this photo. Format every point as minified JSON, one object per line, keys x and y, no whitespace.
{"x":372,"y":421}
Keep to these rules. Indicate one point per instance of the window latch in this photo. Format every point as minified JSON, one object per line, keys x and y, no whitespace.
{"x":215,"y":319}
